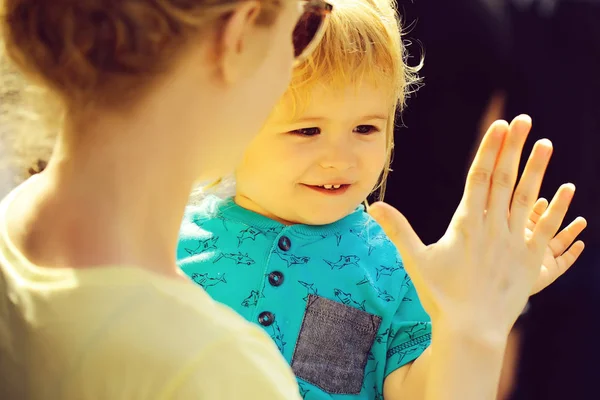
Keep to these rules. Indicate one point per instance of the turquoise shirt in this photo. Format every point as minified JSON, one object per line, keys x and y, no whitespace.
{"x":335,"y":298}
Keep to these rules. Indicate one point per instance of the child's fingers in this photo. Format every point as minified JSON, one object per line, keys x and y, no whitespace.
{"x":539,"y":208}
{"x":565,"y":261}
{"x":552,"y":219}
{"x":529,"y":185}
{"x":567,"y":236}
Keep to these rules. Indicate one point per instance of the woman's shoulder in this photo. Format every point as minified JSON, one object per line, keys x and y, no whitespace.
{"x":179,"y":325}
{"x":124,"y":325}
{"x":168,"y":320}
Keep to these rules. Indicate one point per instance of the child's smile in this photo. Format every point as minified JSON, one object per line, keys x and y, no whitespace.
{"x":330,"y":189}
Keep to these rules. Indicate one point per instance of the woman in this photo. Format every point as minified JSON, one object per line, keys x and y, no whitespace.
{"x":157,"y":94}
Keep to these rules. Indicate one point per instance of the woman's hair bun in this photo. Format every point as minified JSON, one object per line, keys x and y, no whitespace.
{"x":87,"y":49}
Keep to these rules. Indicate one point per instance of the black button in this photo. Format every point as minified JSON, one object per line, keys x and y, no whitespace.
{"x":285,"y":243}
{"x":266,"y":318}
{"x":276,"y":278}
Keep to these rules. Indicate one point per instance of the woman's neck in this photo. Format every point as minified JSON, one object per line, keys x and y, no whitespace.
{"x":116,"y":200}
{"x":116,"y":187}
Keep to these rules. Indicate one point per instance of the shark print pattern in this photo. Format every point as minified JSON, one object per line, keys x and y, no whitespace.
{"x":278,"y":336}
{"x":406,"y":282}
{"x":337,"y":235}
{"x":364,"y":280}
{"x":310,"y":288}
{"x":204,"y":246}
{"x":347,"y":299}
{"x":248,"y":233}
{"x":377,"y":394}
{"x":383,"y":337}
{"x":206,"y":281}
{"x":416,"y":330}
{"x":371,"y":242}
{"x":235,"y":255}
{"x":370,"y":371}
{"x":292,"y":260}
{"x":238,"y":258}
{"x":383,"y":294}
{"x":343,"y":262}
{"x":359,"y":232}
{"x":382,"y":270}
{"x":374,"y":242}
{"x":272,"y":231}
{"x":252,"y":299}
{"x":201,"y":222}
{"x":303,"y":389}
{"x":251,"y":233}
{"x":338,"y":238}
{"x":419,"y":335}
{"x":414,"y":346}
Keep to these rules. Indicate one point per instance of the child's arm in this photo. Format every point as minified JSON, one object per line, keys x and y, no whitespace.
{"x":410,"y":381}
{"x":476,"y":279}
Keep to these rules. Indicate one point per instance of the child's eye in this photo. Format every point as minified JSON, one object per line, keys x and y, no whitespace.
{"x":366,"y":129}
{"x":306,"y":131}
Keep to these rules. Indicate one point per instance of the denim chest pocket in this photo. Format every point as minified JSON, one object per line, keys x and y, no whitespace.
{"x":333,"y":345}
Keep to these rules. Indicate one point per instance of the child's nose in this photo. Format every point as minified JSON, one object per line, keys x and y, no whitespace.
{"x":339,"y":156}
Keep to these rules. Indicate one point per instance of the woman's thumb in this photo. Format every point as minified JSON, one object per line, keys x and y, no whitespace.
{"x":397,"y":228}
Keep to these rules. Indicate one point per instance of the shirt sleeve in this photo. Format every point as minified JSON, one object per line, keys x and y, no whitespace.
{"x":244,"y":367}
{"x":410,"y":332}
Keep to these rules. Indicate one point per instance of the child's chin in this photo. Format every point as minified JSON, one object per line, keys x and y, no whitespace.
{"x":324,"y":217}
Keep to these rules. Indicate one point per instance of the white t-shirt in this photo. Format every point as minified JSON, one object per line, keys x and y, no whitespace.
{"x":124,"y":333}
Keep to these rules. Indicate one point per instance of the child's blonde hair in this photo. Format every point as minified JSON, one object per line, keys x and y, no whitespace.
{"x":363,"y":41}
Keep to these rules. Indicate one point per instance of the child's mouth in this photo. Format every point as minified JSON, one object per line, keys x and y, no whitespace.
{"x":336,"y":189}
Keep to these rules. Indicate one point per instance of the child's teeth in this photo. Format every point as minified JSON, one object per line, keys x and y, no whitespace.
{"x":329,"y":187}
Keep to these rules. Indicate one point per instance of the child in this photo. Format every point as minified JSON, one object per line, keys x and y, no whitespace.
{"x":295,"y":251}
{"x":281,"y":257}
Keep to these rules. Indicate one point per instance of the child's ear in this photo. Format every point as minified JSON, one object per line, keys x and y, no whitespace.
{"x":238,"y":41}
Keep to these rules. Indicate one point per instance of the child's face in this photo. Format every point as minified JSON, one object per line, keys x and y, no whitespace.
{"x":339,"y":139}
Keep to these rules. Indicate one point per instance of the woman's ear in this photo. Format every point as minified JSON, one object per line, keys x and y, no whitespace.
{"x":238,"y":51}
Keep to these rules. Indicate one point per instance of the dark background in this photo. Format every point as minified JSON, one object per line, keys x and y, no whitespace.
{"x":540,"y":57}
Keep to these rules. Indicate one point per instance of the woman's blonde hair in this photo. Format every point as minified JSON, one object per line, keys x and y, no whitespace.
{"x":84,"y":54}
{"x":363,"y":42}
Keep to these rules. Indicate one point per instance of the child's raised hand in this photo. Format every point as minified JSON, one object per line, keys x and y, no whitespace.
{"x":561,"y":253}
{"x":479,"y":275}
